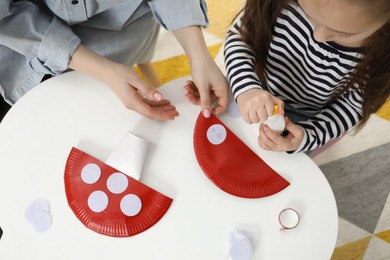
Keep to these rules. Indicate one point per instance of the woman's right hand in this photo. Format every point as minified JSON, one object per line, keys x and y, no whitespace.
{"x":138,"y":95}
{"x":257,"y":105}
{"x":134,"y":93}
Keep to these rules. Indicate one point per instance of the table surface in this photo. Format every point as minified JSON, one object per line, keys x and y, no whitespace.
{"x":74,"y":110}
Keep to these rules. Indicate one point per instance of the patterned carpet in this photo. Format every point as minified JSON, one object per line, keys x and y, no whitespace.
{"x":357,"y":166}
{"x":361,"y":184}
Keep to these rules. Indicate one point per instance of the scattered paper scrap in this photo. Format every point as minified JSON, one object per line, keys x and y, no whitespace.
{"x":38,"y":215}
{"x":240,"y":245}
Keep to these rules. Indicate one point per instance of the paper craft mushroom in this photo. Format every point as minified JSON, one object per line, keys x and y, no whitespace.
{"x":108,"y":201}
{"x":230,"y":164}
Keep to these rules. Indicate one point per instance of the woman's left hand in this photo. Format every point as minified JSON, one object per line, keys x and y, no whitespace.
{"x":271,"y":141}
{"x":209,"y":87}
{"x":209,"y":84}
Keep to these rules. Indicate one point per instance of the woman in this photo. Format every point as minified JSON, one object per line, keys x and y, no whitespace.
{"x":49,"y":37}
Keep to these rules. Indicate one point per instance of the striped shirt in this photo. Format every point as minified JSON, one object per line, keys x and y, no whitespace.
{"x":303,"y":73}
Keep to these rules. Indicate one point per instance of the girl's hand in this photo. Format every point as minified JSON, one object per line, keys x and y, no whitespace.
{"x":257,"y":105}
{"x":271,"y":141}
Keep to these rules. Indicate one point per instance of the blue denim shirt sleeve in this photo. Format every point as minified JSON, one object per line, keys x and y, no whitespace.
{"x":49,"y":42}
{"x":46,"y":36}
{"x":45,"y":39}
{"x":176,"y":14}
{"x":4,"y":8}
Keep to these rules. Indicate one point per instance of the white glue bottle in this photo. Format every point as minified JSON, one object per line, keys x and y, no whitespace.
{"x":276,"y":122}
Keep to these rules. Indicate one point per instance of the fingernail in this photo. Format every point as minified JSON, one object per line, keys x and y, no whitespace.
{"x":157,"y":96}
{"x":206,"y":113}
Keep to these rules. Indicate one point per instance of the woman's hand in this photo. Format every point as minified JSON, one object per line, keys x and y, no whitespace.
{"x":134,"y":93}
{"x":209,"y":88}
{"x":209,"y":85}
{"x":137,"y":95}
{"x":271,"y":141}
{"x":257,"y":105}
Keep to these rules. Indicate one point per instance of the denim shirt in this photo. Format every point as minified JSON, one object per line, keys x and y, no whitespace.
{"x":38,"y":37}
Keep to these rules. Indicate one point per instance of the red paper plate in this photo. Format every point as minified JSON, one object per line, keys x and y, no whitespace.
{"x":106,"y":204}
{"x":230,"y":164}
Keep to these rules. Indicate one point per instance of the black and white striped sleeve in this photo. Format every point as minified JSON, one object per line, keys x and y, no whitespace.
{"x":335,"y":119}
{"x":240,"y":63}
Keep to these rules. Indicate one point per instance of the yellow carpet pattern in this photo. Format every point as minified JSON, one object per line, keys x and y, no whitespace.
{"x":221,"y":14}
{"x":384,"y":112}
{"x":175,"y":64}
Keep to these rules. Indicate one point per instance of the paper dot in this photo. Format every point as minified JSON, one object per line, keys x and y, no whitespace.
{"x":98,"y":201}
{"x":232,"y":110}
{"x":37,"y":206}
{"x":90,"y":173}
{"x":41,"y":221}
{"x":216,"y":134}
{"x":289,"y":218}
{"x":131,"y":205}
{"x":117,"y":183}
{"x":240,"y":250}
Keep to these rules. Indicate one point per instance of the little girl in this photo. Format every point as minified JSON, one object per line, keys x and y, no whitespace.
{"x":325,"y":63}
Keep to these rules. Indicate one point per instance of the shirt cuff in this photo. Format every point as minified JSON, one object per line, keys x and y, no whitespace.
{"x":303,"y":145}
{"x":177,"y":14}
{"x":58,"y":45}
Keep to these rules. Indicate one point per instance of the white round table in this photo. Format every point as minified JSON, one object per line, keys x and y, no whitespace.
{"x":74,"y":110}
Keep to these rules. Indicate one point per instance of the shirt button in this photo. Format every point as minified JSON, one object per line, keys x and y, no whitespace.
{"x":75,"y":2}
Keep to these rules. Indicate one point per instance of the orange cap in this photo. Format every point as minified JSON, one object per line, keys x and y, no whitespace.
{"x":276,"y":110}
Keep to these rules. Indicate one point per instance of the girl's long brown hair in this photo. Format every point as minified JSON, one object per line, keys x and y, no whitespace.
{"x":371,"y":77}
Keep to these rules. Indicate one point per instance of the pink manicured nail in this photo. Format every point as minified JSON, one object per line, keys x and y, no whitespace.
{"x":206,"y":113}
{"x":157,"y":96}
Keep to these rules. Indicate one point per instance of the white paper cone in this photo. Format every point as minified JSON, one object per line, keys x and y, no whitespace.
{"x":129,"y":156}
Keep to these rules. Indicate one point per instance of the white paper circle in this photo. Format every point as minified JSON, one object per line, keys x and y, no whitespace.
{"x":289,"y":218}
{"x":117,"y":183}
{"x":216,"y":134}
{"x":90,"y":173}
{"x":232,"y":109}
{"x":240,"y":250}
{"x":98,"y":201}
{"x":37,"y":206}
{"x":131,"y":205}
{"x":41,"y":221}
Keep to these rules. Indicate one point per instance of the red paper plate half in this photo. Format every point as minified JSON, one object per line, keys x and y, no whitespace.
{"x":108,"y":201}
{"x":232,"y":165}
